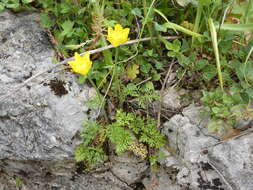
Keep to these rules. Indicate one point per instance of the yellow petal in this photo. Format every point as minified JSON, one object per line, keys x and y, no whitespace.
{"x":77,"y":56}
{"x":118,"y":36}
{"x":86,"y":56}
{"x":118,"y":27}
{"x":81,"y":64}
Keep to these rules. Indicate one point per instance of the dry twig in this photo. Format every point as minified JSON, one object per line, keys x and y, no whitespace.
{"x":161,"y":94}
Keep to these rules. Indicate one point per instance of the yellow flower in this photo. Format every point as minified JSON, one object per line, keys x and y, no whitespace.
{"x":118,"y":35}
{"x":81,"y":64}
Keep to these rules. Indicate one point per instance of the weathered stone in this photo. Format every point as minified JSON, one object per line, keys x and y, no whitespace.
{"x":234,"y":159}
{"x":39,"y":123}
{"x":129,"y":169}
{"x":171,"y":99}
{"x":203,"y":162}
{"x":162,"y":180}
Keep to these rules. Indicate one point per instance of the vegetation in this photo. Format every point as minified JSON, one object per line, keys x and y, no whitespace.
{"x":212,"y":54}
{"x":127,"y":132}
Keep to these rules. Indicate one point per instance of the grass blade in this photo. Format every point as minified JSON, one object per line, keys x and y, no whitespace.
{"x":236,"y":27}
{"x":176,"y":26}
{"x":216,"y":50}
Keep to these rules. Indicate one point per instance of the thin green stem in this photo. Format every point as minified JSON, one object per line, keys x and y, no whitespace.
{"x":197,"y":20}
{"x":145,"y":21}
{"x":100,"y":100}
{"x":146,"y":15}
{"x":245,"y":64}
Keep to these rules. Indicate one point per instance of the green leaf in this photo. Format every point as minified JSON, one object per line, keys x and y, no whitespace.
{"x":2,"y":7}
{"x":200,"y":64}
{"x":82,"y":79}
{"x":67,"y":28}
{"x":209,"y":72}
{"x":45,"y":20}
{"x":12,"y":4}
{"x":131,"y":89}
{"x":238,"y":110}
{"x":227,"y":99}
{"x":215,"y":126}
{"x":65,"y":8}
{"x":132,"y":71}
{"x":136,"y":11}
{"x":171,"y":54}
{"x":145,"y":68}
{"x":158,"y":65}
{"x":160,"y":28}
{"x":176,"y":26}
{"x":249,"y":91}
{"x":27,"y":1}
{"x":174,"y":46}
{"x":216,"y":50}
{"x":119,"y":136}
{"x":156,"y":77}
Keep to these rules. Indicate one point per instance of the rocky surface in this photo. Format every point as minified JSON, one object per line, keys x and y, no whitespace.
{"x":202,"y":162}
{"x":171,"y":99}
{"x":39,"y":124}
{"x":39,"y":127}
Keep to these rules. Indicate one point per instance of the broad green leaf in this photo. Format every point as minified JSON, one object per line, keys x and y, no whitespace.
{"x":201,"y":64}
{"x":45,"y":20}
{"x":67,"y":28}
{"x":145,"y":68}
{"x":160,"y":28}
{"x":136,"y":11}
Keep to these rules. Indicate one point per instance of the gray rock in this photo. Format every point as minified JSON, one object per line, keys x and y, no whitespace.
{"x":129,"y":169}
{"x":202,"y":161}
{"x":171,"y":99}
{"x":162,"y":180}
{"x":39,"y":124}
{"x":234,"y":159}
{"x":77,"y":182}
{"x":36,"y":123}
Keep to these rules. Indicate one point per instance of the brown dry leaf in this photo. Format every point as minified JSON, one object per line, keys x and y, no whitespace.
{"x":231,"y":133}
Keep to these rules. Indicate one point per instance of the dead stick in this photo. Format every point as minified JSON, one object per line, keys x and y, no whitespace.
{"x":161,"y":95}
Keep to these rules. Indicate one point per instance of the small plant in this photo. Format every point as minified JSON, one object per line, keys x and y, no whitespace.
{"x":19,"y":182}
{"x":13,"y":4}
{"x":128,"y":132}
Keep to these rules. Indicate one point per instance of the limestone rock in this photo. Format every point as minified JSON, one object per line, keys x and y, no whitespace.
{"x":203,"y":163}
{"x":39,"y":124}
{"x":171,"y":99}
{"x":129,"y":169}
